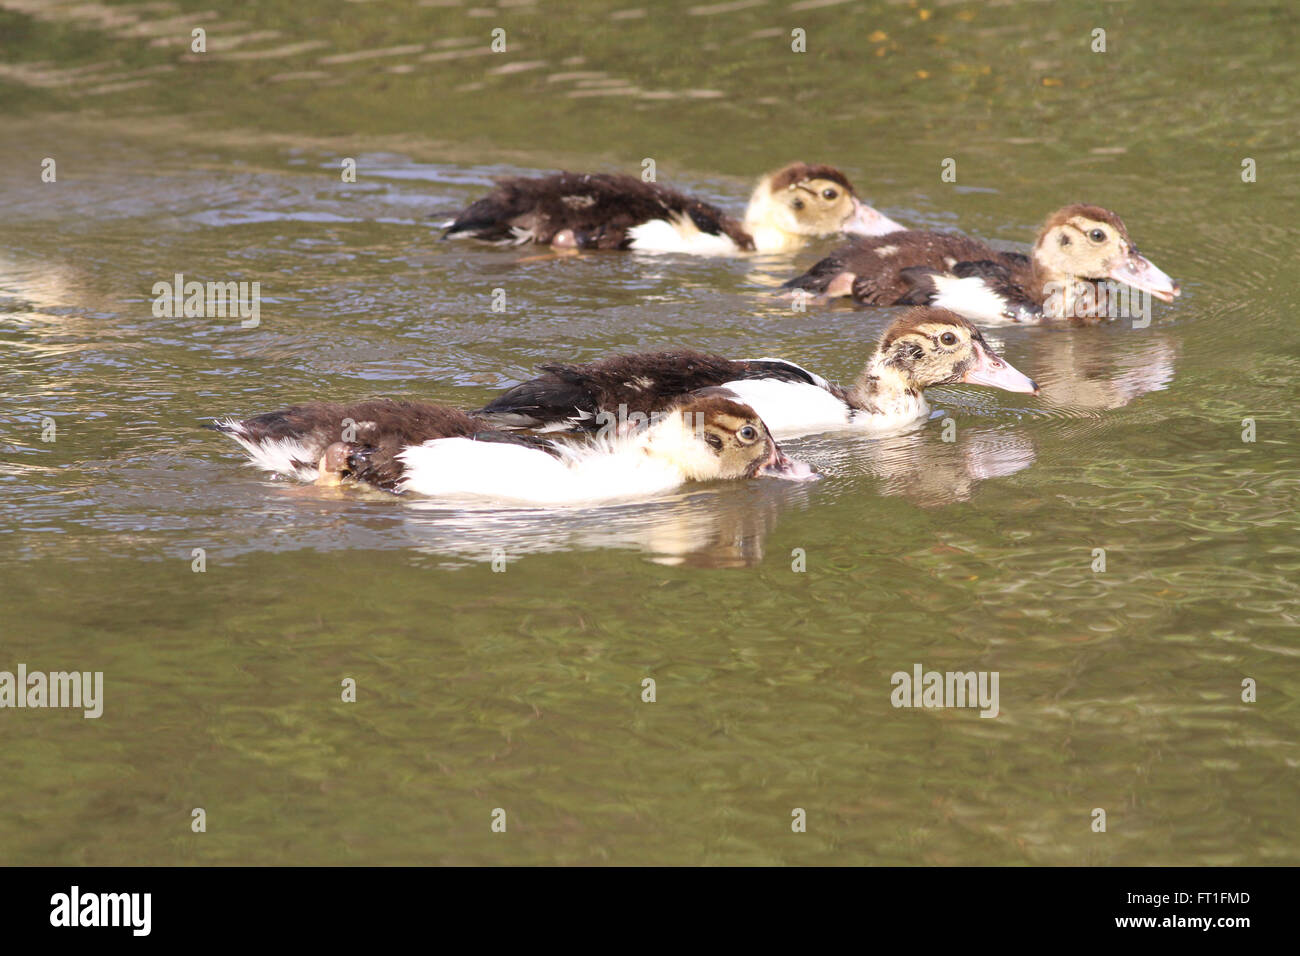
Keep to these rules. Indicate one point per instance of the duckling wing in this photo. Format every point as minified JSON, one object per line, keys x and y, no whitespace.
{"x":778,"y":370}
{"x":553,"y":401}
{"x":1001,"y":276}
{"x":573,"y":397}
{"x":822,"y":275}
{"x":598,"y":209}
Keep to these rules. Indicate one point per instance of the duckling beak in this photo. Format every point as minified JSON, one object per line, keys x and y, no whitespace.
{"x":779,"y":466}
{"x":1138,"y":272}
{"x":865,"y":221}
{"x":988,"y":369}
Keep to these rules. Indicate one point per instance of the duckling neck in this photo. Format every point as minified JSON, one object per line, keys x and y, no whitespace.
{"x":883,"y":389}
{"x":670,"y":443}
{"x":760,"y":223}
{"x":1060,"y":293}
{"x":770,"y":239}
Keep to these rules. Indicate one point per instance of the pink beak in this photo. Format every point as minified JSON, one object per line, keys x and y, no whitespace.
{"x":865,"y":221}
{"x":992,"y":371}
{"x":1138,"y":271}
{"x":779,"y":466}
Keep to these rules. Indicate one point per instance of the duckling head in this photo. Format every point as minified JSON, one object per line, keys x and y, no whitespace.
{"x":927,"y":346}
{"x":805,"y":201}
{"x":711,"y":434}
{"x":1089,"y":242}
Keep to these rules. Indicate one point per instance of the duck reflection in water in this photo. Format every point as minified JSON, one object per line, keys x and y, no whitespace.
{"x":926,"y":469}
{"x":1100,"y":368}
{"x":722,"y":525}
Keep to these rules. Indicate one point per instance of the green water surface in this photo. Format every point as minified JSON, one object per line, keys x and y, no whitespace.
{"x":522,"y":690}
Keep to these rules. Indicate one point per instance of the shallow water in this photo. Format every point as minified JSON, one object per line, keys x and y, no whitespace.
{"x":521,"y":690}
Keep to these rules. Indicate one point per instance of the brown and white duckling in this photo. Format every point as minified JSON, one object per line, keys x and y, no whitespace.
{"x":923,"y":347}
{"x":1079,"y":253}
{"x":437,"y":451}
{"x":608,"y":211}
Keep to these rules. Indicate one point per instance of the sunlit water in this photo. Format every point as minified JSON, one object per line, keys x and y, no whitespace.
{"x":522,"y":690}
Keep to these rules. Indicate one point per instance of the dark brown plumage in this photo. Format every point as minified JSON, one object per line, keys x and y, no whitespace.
{"x":639,"y":384}
{"x":878,"y":267}
{"x":913,"y":320}
{"x":373,"y":433}
{"x":598,"y":209}
{"x":806,"y":172}
{"x":1088,"y":211}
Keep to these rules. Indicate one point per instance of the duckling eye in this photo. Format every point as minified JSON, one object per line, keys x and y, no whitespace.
{"x":1097,"y":235}
{"x":830,"y":193}
{"x":948,"y":338}
{"x":748,"y":433}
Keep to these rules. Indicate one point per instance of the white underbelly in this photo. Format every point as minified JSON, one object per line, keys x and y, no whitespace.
{"x":464,"y":468}
{"x":790,"y":409}
{"x":971,"y":298}
{"x":660,"y":235}
{"x":906,"y":414}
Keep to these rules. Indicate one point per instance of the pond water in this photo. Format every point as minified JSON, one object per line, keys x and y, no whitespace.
{"x":522,"y":690}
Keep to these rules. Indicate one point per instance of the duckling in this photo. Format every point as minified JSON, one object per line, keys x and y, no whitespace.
{"x":923,"y":347}
{"x":708,"y":434}
{"x":1078,"y":249}
{"x":606,"y":211}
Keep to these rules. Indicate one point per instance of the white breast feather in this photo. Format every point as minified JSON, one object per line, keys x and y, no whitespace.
{"x":797,"y":408}
{"x":660,"y":235}
{"x":770,"y":239}
{"x":908,"y":411}
{"x":791,"y":408}
{"x":464,"y":468}
{"x":970,"y":297}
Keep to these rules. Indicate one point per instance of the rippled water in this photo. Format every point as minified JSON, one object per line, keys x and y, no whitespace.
{"x":477,"y":690}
